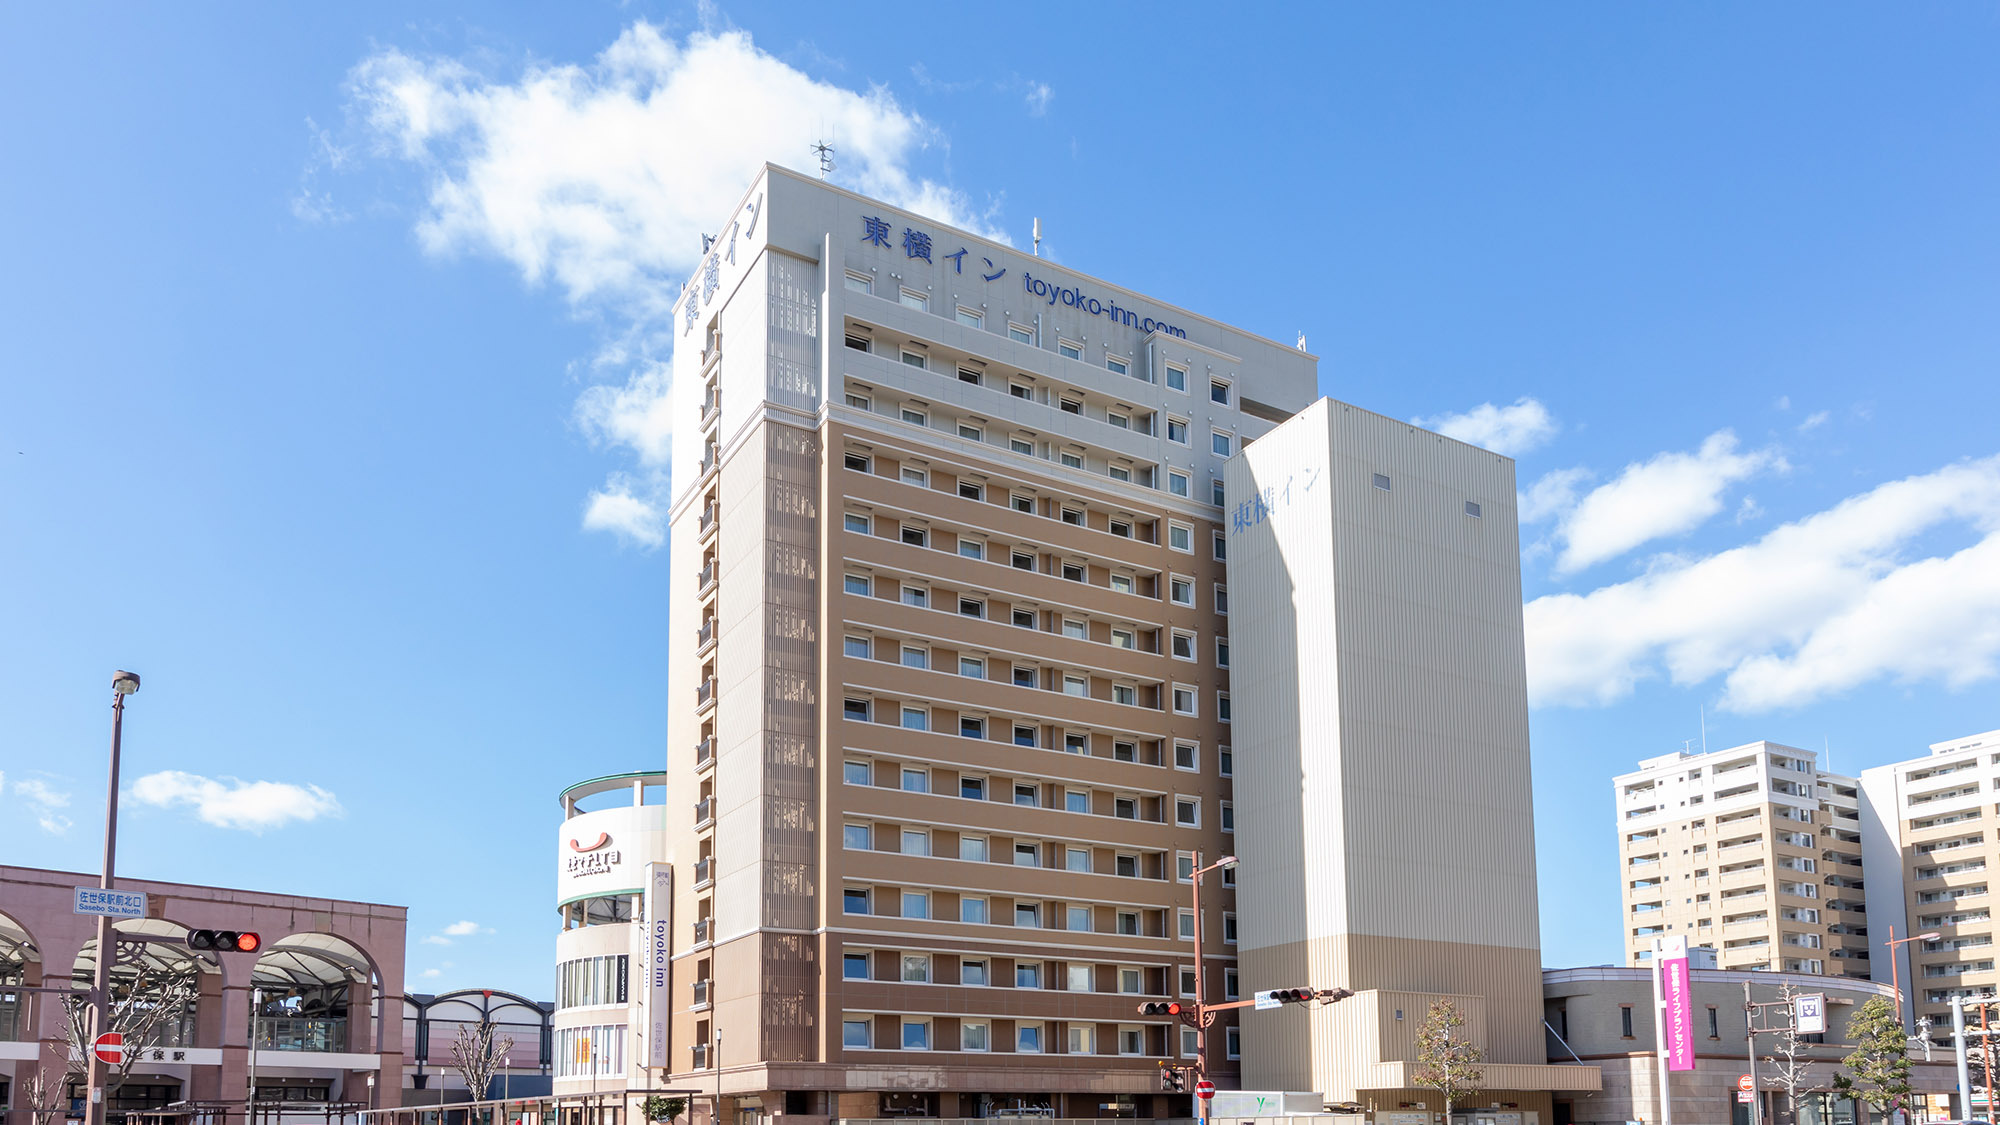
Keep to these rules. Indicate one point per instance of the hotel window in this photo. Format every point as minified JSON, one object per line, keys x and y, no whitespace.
{"x":856,"y":462}
{"x":1184,"y":701}
{"x":856,"y":647}
{"x":1122,"y":583}
{"x":916,"y":781}
{"x":971,"y":607}
{"x":973,"y":972}
{"x":1027,"y":976}
{"x":856,"y":773}
{"x":970,"y":318}
{"x":916,"y":718}
{"x":1179,"y":483}
{"x":1472,"y":509}
{"x":1232,"y":1041}
{"x":1126,"y":694}
{"x":1077,"y":978}
{"x":1075,"y":685}
{"x":856,"y":1033}
{"x":1024,"y":618}
{"x":972,"y":667}
{"x":1016,"y":332}
{"x":1125,"y":808}
{"x":912,"y":359}
{"x":1382,"y":482}
{"x":1075,"y":628}
{"x":1130,"y":981}
{"x":1083,"y":1039}
{"x":1076,"y":801}
{"x":856,"y":523}
{"x":1177,"y":430}
{"x":1219,"y":442}
{"x":1222,"y":652}
{"x":1187,"y":812}
{"x":916,"y":1034}
{"x":860,"y":283}
{"x":1070,"y":458}
{"x":1176,"y":379}
{"x":1225,"y":762}
{"x":969,"y":727}
{"x":1128,"y":922}
{"x":1077,"y":919}
{"x":1121,"y":528}
{"x":916,"y":300}
{"x":972,"y":1037}
{"x":1122,"y":421}
{"x":914,"y":657}
{"x":1180,"y":590}
{"x":1227,"y":812}
{"x":1122,"y":638}
{"x":1187,"y":755}
{"x":1124,"y":752}
{"x":1190,"y":1041}
{"x":971,"y":490}
{"x":859,"y":402}
{"x":971,"y":432}
{"x":1076,"y":743}
{"x":972,"y":911}
{"x":856,"y":584}
{"x":1029,"y":1036}
{"x":1024,"y":736}
{"x":856,"y":709}
{"x":1222,"y":714}
{"x":971,"y":548}
{"x":1184,"y":867}
{"x":1183,"y":645}
{"x":854,"y":966}
{"x":1228,"y":928}
{"x":1219,"y":546}
{"x":1073,"y":572}
{"x":1073,"y":516}
{"x":916,"y":968}
{"x":1071,"y":405}
{"x":916,"y":596}
{"x":858,"y":343}
{"x":1024,"y":391}
{"x":854,"y":901}
{"x":916,"y":904}
{"x":1218,"y":391}
{"x":1119,"y":472}
{"x":1117,"y":366}
{"x":1180,"y":537}
{"x":1068,"y":350}
{"x":916,"y":476}
{"x":857,"y":838}
{"x":1027,"y":855}
{"x":1221,"y":598}
{"x":1215,"y":492}
{"x":1026,"y":448}
{"x":1187,"y":925}
{"x":972,"y":849}
{"x":915,"y":417}
{"x":1230,"y":987}
{"x":1027,"y":796}
{"x":1625,"y":1020}
{"x":1027,"y":916}
{"x":1021,"y":560}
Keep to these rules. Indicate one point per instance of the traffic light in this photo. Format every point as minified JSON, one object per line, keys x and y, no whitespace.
{"x":1294,"y":995}
{"x":1158,"y":1008}
{"x":1172,"y":1080}
{"x":225,"y":941}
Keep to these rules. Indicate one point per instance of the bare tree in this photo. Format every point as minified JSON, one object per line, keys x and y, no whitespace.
{"x":43,"y":1096}
{"x":1790,"y":1059}
{"x":156,"y":1000}
{"x":478,"y":1055}
{"x":1446,"y":1061}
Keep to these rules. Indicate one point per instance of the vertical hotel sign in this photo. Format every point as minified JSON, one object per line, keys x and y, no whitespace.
{"x":656,"y":955}
{"x":1670,"y":961}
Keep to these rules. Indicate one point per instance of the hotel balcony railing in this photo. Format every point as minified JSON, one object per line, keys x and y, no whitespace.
{"x":708,"y":457}
{"x":700,"y":1056}
{"x":704,"y":872}
{"x":703,"y":930}
{"x":711,"y":405}
{"x":704,"y":692}
{"x":706,"y":578}
{"x":704,"y":812}
{"x":704,"y":752}
{"x":708,"y":515}
{"x":291,"y":1034}
{"x":704,"y":635}
{"x":701,"y":994}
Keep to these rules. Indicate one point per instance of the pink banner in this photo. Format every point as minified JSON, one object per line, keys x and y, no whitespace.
{"x":1678,"y":993}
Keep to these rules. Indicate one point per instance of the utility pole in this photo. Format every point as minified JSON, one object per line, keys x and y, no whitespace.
{"x":1958,"y":1041}
{"x":122,"y":684}
{"x":1750,"y":1050}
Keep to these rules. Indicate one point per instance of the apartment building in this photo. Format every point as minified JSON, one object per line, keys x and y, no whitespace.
{"x":949,"y":669}
{"x":1931,"y":846}
{"x":1752,"y":851}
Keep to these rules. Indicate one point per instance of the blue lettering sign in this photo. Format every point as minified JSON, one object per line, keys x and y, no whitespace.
{"x":1074,"y":298}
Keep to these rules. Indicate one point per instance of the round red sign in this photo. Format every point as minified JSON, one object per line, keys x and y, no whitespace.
{"x":1204,"y":1089}
{"x":109,"y":1048}
{"x":1744,"y":1083}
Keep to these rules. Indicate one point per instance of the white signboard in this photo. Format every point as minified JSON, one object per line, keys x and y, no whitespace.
{"x":657,"y":958}
{"x":1810,"y":1011}
{"x":1266,"y":1000}
{"x":110,"y":904}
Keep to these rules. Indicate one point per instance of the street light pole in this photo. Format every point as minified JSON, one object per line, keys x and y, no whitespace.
{"x":122,"y":684}
{"x":1202,"y":1016}
{"x":1895,"y":970}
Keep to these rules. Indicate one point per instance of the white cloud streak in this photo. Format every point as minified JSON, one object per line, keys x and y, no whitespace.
{"x":1671,"y":494}
{"x":465,"y":929}
{"x":601,"y":178}
{"x":1817,"y":606}
{"x":46,"y":803}
{"x":1507,"y":430}
{"x":228,"y":802}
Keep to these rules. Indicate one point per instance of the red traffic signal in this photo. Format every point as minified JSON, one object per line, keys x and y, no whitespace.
{"x":1172,"y":1079}
{"x":225,"y":941}
{"x":1158,"y":1008}
{"x":1294,"y":995}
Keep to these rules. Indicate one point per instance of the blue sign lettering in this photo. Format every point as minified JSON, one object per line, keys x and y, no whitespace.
{"x":1075,"y":299}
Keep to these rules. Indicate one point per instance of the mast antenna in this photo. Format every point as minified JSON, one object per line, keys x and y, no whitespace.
{"x":825,"y":153}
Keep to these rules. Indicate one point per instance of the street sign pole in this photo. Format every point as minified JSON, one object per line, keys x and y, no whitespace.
{"x":107,"y":949}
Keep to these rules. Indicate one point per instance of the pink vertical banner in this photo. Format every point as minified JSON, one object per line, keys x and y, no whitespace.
{"x":1677,"y":992}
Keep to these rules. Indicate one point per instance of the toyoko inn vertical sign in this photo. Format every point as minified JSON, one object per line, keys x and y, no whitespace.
{"x":1676,"y":993}
{"x":656,"y":958}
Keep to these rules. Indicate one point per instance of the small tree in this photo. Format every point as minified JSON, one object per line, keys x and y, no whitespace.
{"x":1446,"y":1061}
{"x":1790,"y":1061}
{"x":477,"y":1054}
{"x":1878,"y":1070}
{"x":144,"y":1010}
{"x":42,"y":1097}
{"x":659,"y":1108}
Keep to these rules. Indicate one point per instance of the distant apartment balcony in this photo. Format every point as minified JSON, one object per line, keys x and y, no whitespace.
{"x":704,"y":812}
{"x":704,"y":692}
{"x":704,"y":872}
{"x":704,"y":931}
{"x":700,"y":1051}
{"x":705,"y":636}
{"x":289,"y":1034}
{"x":709,"y":456}
{"x":711,"y":405}
{"x":709,"y":515}
{"x":701,"y":993}
{"x":705,"y":580}
{"x":704,"y":752}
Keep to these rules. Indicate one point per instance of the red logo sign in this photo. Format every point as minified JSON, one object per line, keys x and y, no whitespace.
{"x":603,"y":838}
{"x":109,"y":1048}
{"x":1745,"y":1084}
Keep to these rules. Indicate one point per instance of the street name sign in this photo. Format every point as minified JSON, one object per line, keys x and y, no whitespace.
{"x":110,"y":904}
{"x":1266,"y":1000}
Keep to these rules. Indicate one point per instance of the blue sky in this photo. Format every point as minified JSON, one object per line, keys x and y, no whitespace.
{"x":329,"y":398}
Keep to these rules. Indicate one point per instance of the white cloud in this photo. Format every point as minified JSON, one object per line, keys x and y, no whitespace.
{"x":434,"y":939}
{"x":1814,"y":421}
{"x":465,"y":929}
{"x":229,"y":802}
{"x":1507,"y":430}
{"x":1816,"y":606}
{"x":1552,"y":495}
{"x":46,"y":804}
{"x":1748,"y":510}
{"x":601,"y":178}
{"x":432,"y":974}
{"x":1782,"y":402}
{"x":1668,"y":495}
{"x":1040,"y":94}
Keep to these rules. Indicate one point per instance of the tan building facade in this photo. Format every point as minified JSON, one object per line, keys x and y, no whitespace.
{"x":1751,"y":851}
{"x":950,"y":670}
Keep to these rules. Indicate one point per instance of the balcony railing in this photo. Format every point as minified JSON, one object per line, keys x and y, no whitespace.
{"x":703,"y":928}
{"x":292,"y":1034}
{"x":708,"y":515}
{"x":711,"y":404}
{"x":704,"y":872}
{"x":704,"y":634}
{"x":701,"y":993}
{"x":704,"y":811}
{"x":708,"y":457}
{"x":706,"y":578}
{"x":704,"y":692}
{"x":700,"y":1056}
{"x":704,"y":751}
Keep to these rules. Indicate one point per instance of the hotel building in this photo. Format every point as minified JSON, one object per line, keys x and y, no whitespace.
{"x":1752,"y":851}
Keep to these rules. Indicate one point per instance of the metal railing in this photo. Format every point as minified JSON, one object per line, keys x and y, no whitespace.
{"x":708,"y":458}
{"x":701,"y":993}
{"x":706,"y":578}
{"x":704,"y":691}
{"x":704,"y":870}
{"x":704,"y":751}
{"x":704,"y":634}
{"x":704,"y":811}
{"x":700,"y":1056}
{"x":702,"y":926}
{"x":296,"y":1034}
{"x":708,"y":515}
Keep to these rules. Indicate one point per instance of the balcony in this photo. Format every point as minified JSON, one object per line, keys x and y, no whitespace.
{"x":711,"y":405}
{"x":708,"y":518}
{"x":291,"y":1034}
{"x":704,"y":812}
{"x":704,"y":753}
{"x":704,"y":692}
{"x":701,"y":993}
{"x":709,"y":456}
{"x":704,"y":931}
{"x":704,"y":871}
{"x":700,"y":1056}
{"x":705,"y":581}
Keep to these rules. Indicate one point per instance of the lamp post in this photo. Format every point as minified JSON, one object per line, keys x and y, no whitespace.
{"x":122,"y":684}
{"x":1203,"y":1017}
{"x":1895,"y":973}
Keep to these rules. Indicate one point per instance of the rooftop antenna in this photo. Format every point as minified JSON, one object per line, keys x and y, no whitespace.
{"x":1704,"y":728}
{"x":825,"y":153}
{"x":1038,"y":238}
{"x":1302,"y":341}
{"x":1826,"y":748}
